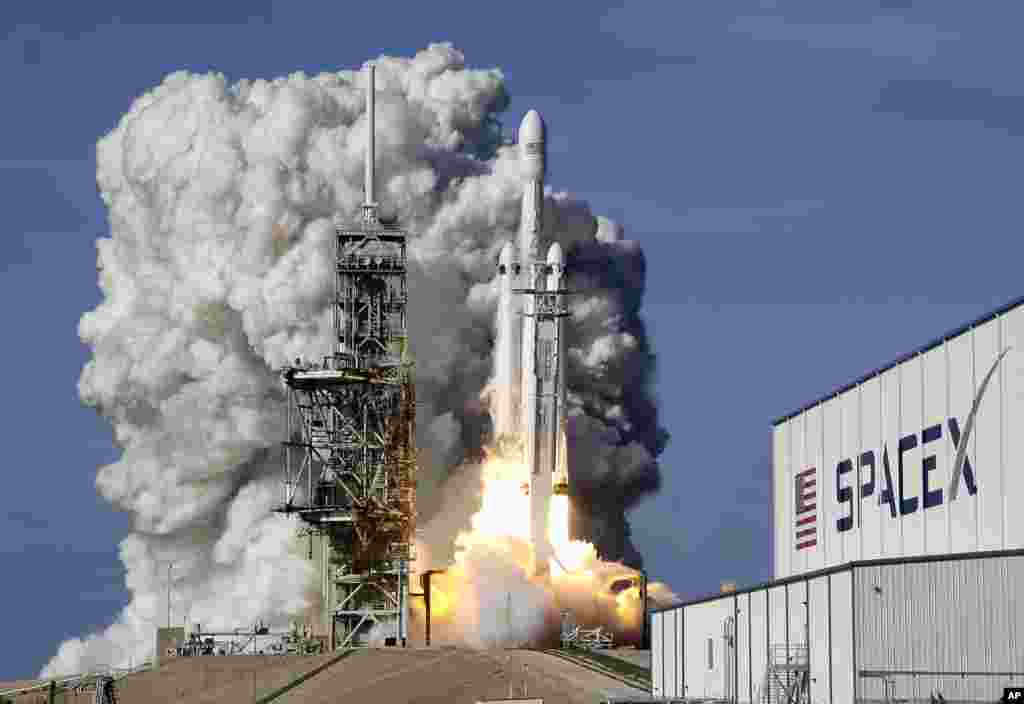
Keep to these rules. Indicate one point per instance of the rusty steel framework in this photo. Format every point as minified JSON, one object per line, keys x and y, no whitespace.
{"x":350,"y":456}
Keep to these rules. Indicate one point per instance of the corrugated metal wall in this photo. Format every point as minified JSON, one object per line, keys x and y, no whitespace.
{"x":889,"y":445}
{"x":695,"y":657}
{"x":670,"y":659}
{"x":744,"y":635}
{"x":820,"y":641}
{"x":952,"y":627}
{"x":842,"y":638}
{"x":960,"y":618}
{"x":757,"y":607}
{"x":658,"y":652}
{"x":703,"y":666}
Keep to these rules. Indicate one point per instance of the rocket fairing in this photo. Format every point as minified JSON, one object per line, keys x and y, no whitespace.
{"x":533,"y":165}
{"x":530,"y":362}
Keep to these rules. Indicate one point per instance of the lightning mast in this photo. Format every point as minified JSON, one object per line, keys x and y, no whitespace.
{"x":350,"y":456}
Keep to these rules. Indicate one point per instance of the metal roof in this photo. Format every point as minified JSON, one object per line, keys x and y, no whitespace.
{"x":916,"y":559}
{"x":956,"y":332}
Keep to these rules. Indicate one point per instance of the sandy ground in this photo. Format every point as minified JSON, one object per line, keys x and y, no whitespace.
{"x":378,"y":676}
{"x":450,"y":676}
{"x":225,"y":680}
{"x":18,"y":684}
{"x":221,"y":680}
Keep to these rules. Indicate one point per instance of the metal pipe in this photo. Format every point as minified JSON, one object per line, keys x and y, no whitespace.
{"x":426,"y":598}
{"x":401,"y":602}
{"x":425,"y":586}
{"x":645,"y":631}
{"x":169,"y":566}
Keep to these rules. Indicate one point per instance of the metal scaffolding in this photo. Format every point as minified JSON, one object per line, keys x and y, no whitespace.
{"x":350,"y":457}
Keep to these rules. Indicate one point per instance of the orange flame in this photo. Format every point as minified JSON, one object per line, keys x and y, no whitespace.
{"x":577,"y":581}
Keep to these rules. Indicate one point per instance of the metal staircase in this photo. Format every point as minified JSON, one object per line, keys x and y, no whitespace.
{"x":787,"y":676}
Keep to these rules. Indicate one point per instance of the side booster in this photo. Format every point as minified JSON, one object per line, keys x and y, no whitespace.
{"x":556,"y":392}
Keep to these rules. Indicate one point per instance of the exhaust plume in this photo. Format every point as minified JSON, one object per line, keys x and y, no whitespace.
{"x":218,"y":270}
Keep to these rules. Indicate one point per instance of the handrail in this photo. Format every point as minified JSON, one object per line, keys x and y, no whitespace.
{"x":116,"y":672}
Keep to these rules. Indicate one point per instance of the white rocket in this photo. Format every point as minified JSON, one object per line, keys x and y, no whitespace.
{"x":530,"y":363}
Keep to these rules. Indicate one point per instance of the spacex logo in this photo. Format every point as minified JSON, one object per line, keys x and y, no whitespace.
{"x":882,"y":475}
{"x":806,"y":509}
{"x":897,"y":496}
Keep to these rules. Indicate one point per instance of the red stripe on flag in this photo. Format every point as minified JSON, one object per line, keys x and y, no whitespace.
{"x":808,"y":544}
{"x":808,"y":507}
{"x":808,"y":483}
{"x":805,"y":497}
{"x":805,"y":532}
{"x":807,"y":519}
{"x":805,"y":472}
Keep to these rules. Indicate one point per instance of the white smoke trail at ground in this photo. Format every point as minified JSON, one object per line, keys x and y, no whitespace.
{"x":217,"y":270}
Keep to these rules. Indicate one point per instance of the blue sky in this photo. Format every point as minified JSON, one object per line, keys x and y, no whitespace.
{"x":818,"y":186}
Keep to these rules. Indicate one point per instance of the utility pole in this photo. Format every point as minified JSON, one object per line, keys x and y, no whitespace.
{"x":425,"y":586}
{"x":169,"y":566}
{"x":508,"y":615}
{"x":645,"y":634}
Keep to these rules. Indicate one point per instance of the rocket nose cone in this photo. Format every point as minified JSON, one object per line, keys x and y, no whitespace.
{"x":505,"y":258}
{"x":531,"y":129}
{"x":555,"y":256}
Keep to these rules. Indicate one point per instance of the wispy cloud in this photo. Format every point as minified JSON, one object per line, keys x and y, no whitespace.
{"x":127,"y":14}
{"x":943,"y":101}
{"x":27,"y":520}
{"x":883,"y":36}
{"x":644,"y":216}
{"x":744,"y":220}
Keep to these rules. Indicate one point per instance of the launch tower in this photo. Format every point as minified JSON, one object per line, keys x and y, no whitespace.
{"x":350,"y":457}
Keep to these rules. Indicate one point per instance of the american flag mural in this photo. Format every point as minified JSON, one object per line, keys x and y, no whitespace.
{"x":806,"y":509}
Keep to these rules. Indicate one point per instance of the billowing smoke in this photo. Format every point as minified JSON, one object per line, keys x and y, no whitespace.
{"x":218,"y":271}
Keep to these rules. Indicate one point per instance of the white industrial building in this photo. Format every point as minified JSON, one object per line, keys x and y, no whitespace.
{"x":898,"y":543}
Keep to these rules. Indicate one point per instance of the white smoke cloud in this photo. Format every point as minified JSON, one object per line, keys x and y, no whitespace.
{"x":217,"y":271}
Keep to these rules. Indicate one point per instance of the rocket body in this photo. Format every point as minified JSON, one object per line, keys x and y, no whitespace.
{"x":507,"y":394}
{"x":536,"y":418}
{"x":530,"y":360}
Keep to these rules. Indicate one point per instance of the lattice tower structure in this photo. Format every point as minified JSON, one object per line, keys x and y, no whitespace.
{"x":350,"y":455}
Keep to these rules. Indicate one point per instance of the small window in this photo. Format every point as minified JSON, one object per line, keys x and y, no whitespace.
{"x":711,"y":653}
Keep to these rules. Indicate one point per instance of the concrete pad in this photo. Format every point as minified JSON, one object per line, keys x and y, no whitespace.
{"x":227,"y":679}
{"x":454,"y":676}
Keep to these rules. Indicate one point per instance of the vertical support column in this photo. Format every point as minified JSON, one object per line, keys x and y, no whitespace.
{"x":426,"y":597}
{"x":645,"y":634}
{"x":325,"y":583}
{"x":403,"y":602}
